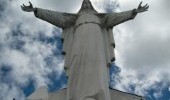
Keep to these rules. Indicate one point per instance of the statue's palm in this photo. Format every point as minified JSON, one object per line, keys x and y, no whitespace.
{"x":27,"y":8}
{"x":142,"y":8}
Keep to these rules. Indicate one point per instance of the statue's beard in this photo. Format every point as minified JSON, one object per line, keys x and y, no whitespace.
{"x":86,"y":6}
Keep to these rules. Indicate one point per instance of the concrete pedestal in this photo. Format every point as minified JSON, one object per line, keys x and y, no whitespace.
{"x":42,"y":94}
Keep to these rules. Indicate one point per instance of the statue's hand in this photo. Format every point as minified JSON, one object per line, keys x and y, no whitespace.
{"x":27,"y":8}
{"x":142,"y":8}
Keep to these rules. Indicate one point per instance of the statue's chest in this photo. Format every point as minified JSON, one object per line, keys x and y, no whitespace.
{"x":87,"y":18}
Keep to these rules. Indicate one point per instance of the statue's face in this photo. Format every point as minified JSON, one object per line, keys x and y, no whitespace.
{"x":86,"y":4}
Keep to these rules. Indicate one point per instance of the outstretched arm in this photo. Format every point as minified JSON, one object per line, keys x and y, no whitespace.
{"x":58,"y":19}
{"x":113,"y":19}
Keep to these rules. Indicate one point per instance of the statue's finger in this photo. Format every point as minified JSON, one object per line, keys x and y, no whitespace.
{"x":30,"y":3}
{"x":146,"y":5}
{"x":24,"y":5}
{"x":21,"y":7}
{"x":140,"y":4}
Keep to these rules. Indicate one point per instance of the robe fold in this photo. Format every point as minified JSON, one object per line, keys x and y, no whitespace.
{"x":89,"y":47}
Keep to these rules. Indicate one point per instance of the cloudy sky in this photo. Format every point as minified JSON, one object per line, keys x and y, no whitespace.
{"x":30,"y":49}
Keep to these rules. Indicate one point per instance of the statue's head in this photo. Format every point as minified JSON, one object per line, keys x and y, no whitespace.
{"x":87,"y":5}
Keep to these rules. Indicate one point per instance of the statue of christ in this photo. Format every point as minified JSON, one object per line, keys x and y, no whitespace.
{"x":88,"y":47}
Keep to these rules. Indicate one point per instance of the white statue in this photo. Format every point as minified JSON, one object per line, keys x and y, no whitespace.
{"x":88,"y":47}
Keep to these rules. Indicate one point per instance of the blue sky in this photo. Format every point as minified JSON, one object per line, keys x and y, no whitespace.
{"x":30,"y":49}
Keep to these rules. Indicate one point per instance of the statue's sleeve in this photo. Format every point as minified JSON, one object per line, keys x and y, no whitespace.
{"x":112,"y":19}
{"x":59,"y":19}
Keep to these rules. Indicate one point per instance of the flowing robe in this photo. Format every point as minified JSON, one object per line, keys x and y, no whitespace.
{"x":89,"y":50}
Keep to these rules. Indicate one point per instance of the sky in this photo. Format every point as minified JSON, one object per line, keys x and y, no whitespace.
{"x":30,"y":49}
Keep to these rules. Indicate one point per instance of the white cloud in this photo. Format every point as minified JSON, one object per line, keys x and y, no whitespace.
{"x":8,"y":92}
{"x":142,"y":49}
{"x":28,"y":62}
{"x":143,"y":42}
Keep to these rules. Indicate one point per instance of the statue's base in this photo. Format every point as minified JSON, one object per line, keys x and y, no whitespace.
{"x":42,"y":94}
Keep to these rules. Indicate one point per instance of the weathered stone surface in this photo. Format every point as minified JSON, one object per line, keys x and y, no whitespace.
{"x":119,"y":95}
{"x":61,"y":95}
{"x":58,"y":95}
{"x":39,"y":94}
